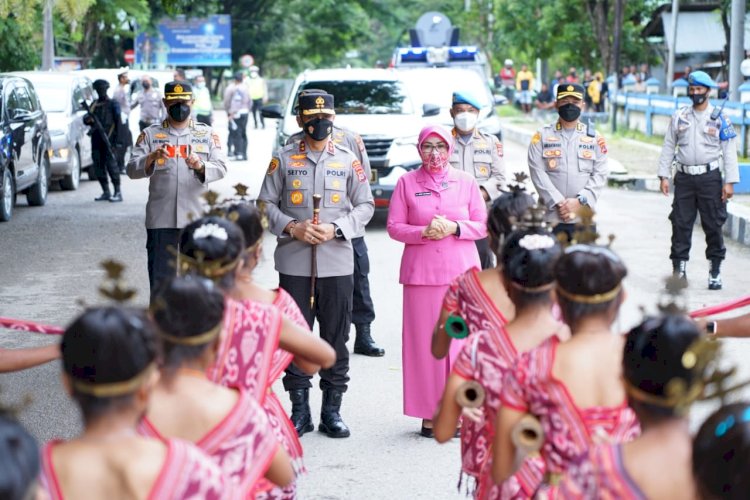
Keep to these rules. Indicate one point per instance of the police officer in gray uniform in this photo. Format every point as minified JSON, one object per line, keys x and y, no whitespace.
{"x":363,"y":310}
{"x":121,"y":94}
{"x":478,"y":154}
{"x":152,"y":109}
{"x":180,"y":158}
{"x":568,"y":161}
{"x":317,"y":165}
{"x":696,"y":138}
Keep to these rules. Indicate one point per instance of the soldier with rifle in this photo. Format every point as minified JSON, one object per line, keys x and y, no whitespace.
{"x":103,"y":116}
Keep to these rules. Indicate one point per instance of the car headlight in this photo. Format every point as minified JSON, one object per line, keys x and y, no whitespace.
{"x":62,"y":153}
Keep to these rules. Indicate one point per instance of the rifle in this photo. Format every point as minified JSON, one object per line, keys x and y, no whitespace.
{"x":99,"y":128}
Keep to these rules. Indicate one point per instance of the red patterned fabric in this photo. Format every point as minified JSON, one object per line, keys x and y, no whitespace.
{"x":243,"y":444}
{"x":30,"y":326}
{"x":602,"y":476}
{"x":569,"y":431}
{"x":467,"y":298}
{"x":187,"y":473}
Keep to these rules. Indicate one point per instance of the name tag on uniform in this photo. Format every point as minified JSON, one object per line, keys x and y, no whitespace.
{"x":424,"y":193}
{"x":200,"y":148}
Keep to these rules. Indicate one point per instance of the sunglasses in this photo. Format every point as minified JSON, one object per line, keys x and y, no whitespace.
{"x":726,"y":424}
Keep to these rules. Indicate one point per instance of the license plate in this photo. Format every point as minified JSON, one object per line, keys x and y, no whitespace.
{"x":373,"y":176}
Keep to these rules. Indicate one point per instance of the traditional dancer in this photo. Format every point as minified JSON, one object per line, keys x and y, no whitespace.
{"x":228,"y":424}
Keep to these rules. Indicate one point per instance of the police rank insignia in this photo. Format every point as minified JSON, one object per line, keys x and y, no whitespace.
{"x":273,"y":166}
{"x":537,"y":137}
{"x":296,"y":183}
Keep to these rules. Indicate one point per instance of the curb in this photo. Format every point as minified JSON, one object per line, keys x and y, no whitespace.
{"x":737,"y":226}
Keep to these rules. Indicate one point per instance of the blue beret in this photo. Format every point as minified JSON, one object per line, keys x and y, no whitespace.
{"x":466,"y":98}
{"x":701,"y":78}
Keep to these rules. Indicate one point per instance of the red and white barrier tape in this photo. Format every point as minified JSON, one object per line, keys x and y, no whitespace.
{"x":30,"y":326}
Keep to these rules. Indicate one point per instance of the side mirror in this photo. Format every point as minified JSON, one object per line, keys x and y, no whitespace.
{"x":272,"y":111}
{"x":19,"y":115}
{"x":430,"y":109}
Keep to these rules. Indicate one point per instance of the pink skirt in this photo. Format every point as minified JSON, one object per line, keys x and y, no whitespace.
{"x":424,"y":376}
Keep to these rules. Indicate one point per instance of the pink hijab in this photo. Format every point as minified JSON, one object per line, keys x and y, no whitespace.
{"x":442,"y":133}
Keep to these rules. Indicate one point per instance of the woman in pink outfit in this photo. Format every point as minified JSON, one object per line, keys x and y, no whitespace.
{"x":438,"y":213}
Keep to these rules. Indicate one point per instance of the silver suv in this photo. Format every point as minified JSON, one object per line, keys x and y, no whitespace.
{"x":376,"y":104}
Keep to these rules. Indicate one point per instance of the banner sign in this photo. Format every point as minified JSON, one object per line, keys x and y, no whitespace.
{"x":186,"y":42}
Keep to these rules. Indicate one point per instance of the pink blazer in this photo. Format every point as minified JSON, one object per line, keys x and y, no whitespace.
{"x":414,"y":203}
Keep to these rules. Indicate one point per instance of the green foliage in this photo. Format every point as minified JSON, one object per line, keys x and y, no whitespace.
{"x":22,"y":46}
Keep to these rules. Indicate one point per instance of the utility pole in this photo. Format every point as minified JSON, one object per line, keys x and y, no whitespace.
{"x":736,"y":48}
{"x":673,"y":29}
{"x":48,"y":51}
{"x":617,"y":40}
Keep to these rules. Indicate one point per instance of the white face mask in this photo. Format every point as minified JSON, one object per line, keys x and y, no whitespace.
{"x":466,"y":121}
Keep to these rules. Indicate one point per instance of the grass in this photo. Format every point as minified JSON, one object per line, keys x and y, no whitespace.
{"x":508,"y":111}
{"x":639,"y":136}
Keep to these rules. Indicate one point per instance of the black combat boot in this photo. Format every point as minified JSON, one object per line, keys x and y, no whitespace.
{"x":363,"y":344}
{"x":679,"y":270}
{"x":301,"y":417}
{"x":117,"y":196}
{"x":714,"y":276}
{"x":330,"y":418}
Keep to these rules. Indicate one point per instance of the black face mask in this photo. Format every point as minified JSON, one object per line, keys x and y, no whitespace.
{"x":179,"y":112}
{"x":318,"y":128}
{"x":569,"y":112}
{"x":102,"y":93}
{"x":146,"y":86}
{"x":698,"y":99}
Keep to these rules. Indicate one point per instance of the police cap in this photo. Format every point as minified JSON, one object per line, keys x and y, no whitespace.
{"x":316,"y":103}
{"x":701,"y":78}
{"x":306,"y":92}
{"x":466,"y":98}
{"x":100,"y":84}
{"x":569,"y":89}
{"x":178,"y":90}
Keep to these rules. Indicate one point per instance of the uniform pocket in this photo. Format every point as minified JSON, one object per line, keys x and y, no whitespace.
{"x":482,"y":170}
{"x":335,"y":192}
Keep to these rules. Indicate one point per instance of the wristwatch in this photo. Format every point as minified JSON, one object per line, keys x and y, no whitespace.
{"x":711,"y":327}
{"x":337,"y":232}
{"x":582,"y":199}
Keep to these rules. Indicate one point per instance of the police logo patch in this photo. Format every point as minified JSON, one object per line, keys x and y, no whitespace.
{"x":335,"y":198}
{"x":552,"y":163}
{"x":357,"y":166}
{"x":296,"y":197}
{"x":587,"y":154}
{"x":160,"y":135}
{"x":273,"y":166}
{"x":537,"y":137}
{"x":483,"y":170}
{"x":360,"y":144}
{"x":296,"y":183}
{"x":602,"y":145}
{"x":140,"y":139}
{"x":499,"y":149}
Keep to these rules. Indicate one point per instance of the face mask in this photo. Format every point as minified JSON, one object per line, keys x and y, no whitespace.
{"x":465,"y":121}
{"x":102,"y":93}
{"x":569,"y":112}
{"x":179,"y":112}
{"x":319,"y":128}
{"x":436,"y":161}
{"x":200,"y":85}
{"x":698,"y":99}
{"x":146,"y":86}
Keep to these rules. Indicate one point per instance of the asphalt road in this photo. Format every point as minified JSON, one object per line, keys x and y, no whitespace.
{"x":49,"y":265}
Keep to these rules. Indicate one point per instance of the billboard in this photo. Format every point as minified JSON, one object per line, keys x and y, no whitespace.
{"x":186,"y":42}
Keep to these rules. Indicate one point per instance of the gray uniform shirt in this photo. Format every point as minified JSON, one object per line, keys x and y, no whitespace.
{"x":693,"y":138}
{"x":123,"y":99}
{"x":481,"y":157}
{"x":175,"y":190}
{"x":152,"y":107}
{"x":349,"y":140}
{"x":294,"y":175}
{"x":565,"y":165}
{"x":236,"y":99}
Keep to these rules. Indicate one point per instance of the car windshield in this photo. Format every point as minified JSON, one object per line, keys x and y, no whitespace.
{"x":436,"y":86}
{"x":366,"y":97}
{"x":54,"y":98}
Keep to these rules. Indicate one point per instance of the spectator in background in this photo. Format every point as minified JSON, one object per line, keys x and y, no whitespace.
{"x":688,"y":70}
{"x":556,"y":80}
{"x":150,"y":101}
{"x":640,"y":85}
{"x":644,"y":73}
{"x":524,"y":84}
{"x":572,"y":75}
{"x":258,"y":90}
{"x":622,"y":76}
{"x":595,"y":91}
{"x":179,"y":75}
{"x":203,"y":109}
{"x":544,"y":100}
{"x":587,"y":79}
{"x":237,"y":104}
{"x":508,"y":79}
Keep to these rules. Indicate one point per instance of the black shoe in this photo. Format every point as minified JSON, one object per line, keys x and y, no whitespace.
{"x":364,"y":344}
{"x":714,"y":276}
{"x":301,"y":417}
{"x":117,"y":197}
{"x":331,"y":423}
{"x":104,"y":197}
{"x":426,"y":432}
{"x":679,"y":270}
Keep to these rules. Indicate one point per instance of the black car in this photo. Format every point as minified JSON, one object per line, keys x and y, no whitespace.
{"x":24,"y":145}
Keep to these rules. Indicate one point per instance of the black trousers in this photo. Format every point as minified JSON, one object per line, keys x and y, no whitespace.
{"x":238,"y":137}
{"x":125,"y":140}
{"x":486,"y":257}
{"x":363,"y":310}
{"x":158,"y":242}
{"x":333,"y":309}
{"x":695,"y":194}
{"x":105,"y":164}
{"x":203,"y":119}
{"x":257,"y":104}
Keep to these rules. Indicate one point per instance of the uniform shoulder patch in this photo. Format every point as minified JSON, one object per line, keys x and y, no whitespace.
{"x":141,"y":138}
{"x":216,"y":140}
{"x":273,"y":166}
{"x":537,"y":137}
{"x":357,"y":167}
{"x":360,"y":143}
{"x":602,"y":144}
